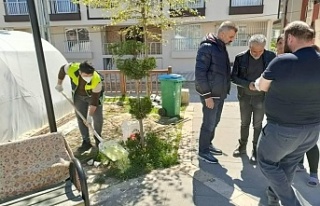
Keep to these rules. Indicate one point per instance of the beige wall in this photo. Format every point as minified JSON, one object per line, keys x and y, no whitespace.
{"x":294,"y":10}
{"x":317,"y":29}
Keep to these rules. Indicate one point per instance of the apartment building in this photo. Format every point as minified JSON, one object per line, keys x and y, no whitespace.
{"x":303,"y":10}
{"x":80,"y":32}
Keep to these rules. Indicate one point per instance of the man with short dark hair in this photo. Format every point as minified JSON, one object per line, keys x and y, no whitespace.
{"x":248,"y":66}
{"x":87,"y":90}
{"x":212,"y":75}
{"x":292,"y":106}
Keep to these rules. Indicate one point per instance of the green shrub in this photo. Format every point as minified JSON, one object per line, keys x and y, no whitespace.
{"x":157,"y":153}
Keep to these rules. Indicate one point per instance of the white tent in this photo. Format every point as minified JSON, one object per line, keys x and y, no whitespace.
{"x":22,"y":101}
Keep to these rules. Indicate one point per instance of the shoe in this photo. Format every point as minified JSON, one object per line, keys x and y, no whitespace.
{"x":300,"y":168}
{"x":253,"y":158}
{"x":313,"y":180}
{"x":214,"y":150}
{"x":241,"y":149}
{"x":86,"y":145}
{"x":208,"y":157}
{"x":273,"y":200}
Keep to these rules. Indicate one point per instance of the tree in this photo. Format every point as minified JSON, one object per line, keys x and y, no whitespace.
{"x":132,"y":56}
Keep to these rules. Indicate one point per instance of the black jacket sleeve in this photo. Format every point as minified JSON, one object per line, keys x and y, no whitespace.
{"x":235,"y":75}
{"x":203,"y":63}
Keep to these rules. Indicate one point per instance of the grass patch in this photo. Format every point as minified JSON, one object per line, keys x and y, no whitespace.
{"x":122,"y":98}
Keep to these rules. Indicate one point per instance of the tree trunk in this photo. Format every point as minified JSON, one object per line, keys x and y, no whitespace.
{"x":140,"y":120}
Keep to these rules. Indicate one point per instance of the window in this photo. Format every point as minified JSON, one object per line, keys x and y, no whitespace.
{"x":63,"y":7}
{"x":187,"y":37}
{"x":109,"y":64}
{"x":77,"y":40}
{"x":242,"y":37}
{"x":235,"y":3}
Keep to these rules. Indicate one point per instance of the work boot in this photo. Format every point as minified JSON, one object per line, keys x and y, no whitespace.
{"x":86,"y":145}
{"x":241,"y":149}
{"x":253,"y":158}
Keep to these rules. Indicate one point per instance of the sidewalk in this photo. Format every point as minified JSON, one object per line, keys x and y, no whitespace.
{"x":232,"y":182}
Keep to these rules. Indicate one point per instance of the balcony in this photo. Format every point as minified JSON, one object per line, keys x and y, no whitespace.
{"x":245,"y":7}
{"x":155,"y":48}
{"x":77,"y":49}
{"x":16,"y":11}
{"x":197,"y":5}
{"x":185,"y":44}
{"x":64,"y":10}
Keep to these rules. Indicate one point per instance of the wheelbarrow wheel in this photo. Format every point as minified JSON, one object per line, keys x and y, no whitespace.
{"x":162,"y":112}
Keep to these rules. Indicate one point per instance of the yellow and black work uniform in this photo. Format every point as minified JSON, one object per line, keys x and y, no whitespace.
{"x":80,"y":86}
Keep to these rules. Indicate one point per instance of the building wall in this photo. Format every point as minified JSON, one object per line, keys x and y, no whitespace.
{"x":294,"y":10}
{"x":58,"y":38}
{"x":100,"y":33}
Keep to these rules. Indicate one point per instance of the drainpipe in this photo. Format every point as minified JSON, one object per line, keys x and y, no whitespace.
{"x":43,"y":17}
{"x":284,"y":18}
{"x":279,"y":7}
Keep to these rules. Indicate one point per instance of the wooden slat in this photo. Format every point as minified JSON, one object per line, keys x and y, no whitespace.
{"x":117,"y":83}
{"x":63,"y":194}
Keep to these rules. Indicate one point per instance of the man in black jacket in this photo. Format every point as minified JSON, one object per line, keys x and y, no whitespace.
{"x":212,"y":75}
{"x":248,"y":66}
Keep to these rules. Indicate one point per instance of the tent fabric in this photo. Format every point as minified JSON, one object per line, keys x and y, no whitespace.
{"x":22,"y":103}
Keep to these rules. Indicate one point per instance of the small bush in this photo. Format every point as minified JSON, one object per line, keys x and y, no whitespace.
{"x":157,"y":153}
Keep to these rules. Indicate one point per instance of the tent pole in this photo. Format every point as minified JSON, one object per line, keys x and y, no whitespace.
{"x":41,"y":64}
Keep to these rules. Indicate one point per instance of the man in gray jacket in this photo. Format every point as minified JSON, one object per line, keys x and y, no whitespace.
{"x":212,"y":75}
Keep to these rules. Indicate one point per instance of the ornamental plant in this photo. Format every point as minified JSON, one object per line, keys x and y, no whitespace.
{"x":132,"y":55}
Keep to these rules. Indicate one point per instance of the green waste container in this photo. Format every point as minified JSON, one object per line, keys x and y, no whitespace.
{"x":171,"y":85}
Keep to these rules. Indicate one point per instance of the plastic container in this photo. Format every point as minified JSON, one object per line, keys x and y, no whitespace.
{"x":171,"y":85}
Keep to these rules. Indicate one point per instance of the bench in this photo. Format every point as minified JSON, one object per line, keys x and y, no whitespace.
{"x":41,"y":170}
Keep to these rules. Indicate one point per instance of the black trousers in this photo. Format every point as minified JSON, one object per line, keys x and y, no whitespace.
{"x":251,"y":107}
{"x":313,"y":159}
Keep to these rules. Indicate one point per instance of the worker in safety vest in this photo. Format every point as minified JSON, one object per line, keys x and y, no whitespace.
{"x":87,"y":90}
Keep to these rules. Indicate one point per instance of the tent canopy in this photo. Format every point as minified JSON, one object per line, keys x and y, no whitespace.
{"x":21,"y":99}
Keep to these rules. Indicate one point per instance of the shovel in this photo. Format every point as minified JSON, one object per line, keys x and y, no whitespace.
{"x":104,"y":147}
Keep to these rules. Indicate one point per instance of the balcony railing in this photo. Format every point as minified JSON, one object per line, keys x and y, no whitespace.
{"x":236,"y":3}
{"x":77,"y":46}
{"x":155,"y":48}
{"x":191,"y":4}
{"x":63,"y":7}
{"x":16,"y":8}
{"x":185,"y":44}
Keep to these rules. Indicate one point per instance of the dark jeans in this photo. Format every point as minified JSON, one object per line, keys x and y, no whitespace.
{"x":280,"y":149}
{"x":210,"y":120}
{"x":251,"y":106}
{"x":313,"y":159}
{"x":82,"y":104}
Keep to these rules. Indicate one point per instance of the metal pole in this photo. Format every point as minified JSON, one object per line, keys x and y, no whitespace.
{"x":41,"y":64}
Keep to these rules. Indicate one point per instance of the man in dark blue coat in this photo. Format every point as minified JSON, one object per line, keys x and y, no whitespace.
{"x":212,"y":78}
{"x":248,"y":66}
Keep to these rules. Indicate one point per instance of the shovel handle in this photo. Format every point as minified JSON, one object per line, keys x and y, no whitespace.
{"x":82,"y":117}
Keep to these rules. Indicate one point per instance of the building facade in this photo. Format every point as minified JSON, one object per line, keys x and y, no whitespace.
{"x":81,"y":33}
